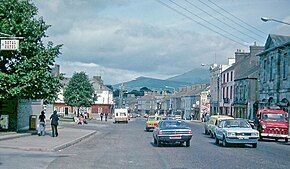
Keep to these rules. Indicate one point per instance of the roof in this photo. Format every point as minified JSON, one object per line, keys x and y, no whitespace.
{"x":275,"y":41}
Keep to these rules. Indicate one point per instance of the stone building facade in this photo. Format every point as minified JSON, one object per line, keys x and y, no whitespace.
{"x":275,"y":72}
{"x":246,"y":83}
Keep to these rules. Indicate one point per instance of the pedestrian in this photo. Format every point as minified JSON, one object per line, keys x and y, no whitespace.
{"x":106,"y":116}
{"x":54,"y":123}
{"x":102,"y":116}
{"x":41,"y":125}
{"x":192,"y":116}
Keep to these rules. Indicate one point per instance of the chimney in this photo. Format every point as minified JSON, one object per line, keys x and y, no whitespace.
{"x":240,"y":55}
{"x":256,"y":49}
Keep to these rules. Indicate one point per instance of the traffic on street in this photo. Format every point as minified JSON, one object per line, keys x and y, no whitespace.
{"x":129,"y":145}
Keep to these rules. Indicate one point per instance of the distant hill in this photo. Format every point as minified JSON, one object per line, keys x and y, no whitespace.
{"x":194,"y":76}
{"x":151,"y":83}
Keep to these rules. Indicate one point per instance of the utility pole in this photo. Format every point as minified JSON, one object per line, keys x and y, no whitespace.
{"x":121,"y":96}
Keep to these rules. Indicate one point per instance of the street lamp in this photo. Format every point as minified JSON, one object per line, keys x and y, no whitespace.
{"x":170,"y":101}
{"x":265,"y":19}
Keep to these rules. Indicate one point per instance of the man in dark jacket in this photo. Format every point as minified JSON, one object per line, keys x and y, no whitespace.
{"x":54,"y":123}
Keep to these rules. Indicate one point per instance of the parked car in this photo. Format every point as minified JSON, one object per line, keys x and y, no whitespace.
{"x":177,"y":117}
{"x":152,"y":122}
{"x":236,"y":131}
{"x":213,"y":122}
{"x":172,"y":131}
{"x":272,"y":123}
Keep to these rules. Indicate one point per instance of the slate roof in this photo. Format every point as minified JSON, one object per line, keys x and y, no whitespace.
{"x":275,"y":41}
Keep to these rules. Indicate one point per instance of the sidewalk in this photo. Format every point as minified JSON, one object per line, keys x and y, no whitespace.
{"x":25,"y":141}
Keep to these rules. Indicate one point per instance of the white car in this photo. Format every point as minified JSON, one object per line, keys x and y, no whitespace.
{"x":236,"y":131}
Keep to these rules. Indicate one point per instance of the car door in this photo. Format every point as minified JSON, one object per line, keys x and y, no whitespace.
{"x":219,"y":130}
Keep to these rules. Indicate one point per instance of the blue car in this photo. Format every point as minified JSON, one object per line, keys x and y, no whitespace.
{"x":172,"y":131}
{"x":236,"y":131}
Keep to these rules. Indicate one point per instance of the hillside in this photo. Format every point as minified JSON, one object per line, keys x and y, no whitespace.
{"x":194,"y":76}
{"x":151,"y":83}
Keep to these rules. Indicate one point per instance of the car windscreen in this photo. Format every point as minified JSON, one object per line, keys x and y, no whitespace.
{"x":122,"y":114}
{"x":151,"y":118}
{"x":174,"y":124}
{"x":237,"y":124}
{"x":274,"y":117}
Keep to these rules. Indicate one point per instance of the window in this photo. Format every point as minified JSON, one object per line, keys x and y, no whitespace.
{"x":285,"y":66}
{"x":245,"y":90}
{"x":227,"y":92}
{"x":227,"y":76}
{"x":271,"y":68}
{"x":231,"y":92}
{"x":223,"y":92}
{"x":265,"y":70}
{"x":231,"y":75}
{"x":224,"y":78}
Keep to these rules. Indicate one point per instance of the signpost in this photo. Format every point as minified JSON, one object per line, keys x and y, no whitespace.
{"x":9,"y":44}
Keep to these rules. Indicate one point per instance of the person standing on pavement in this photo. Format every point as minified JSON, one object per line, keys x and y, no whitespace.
{"x":54,"y":123}
{"x":106,"y":116}
{"x":102,"y":116}
{"x":41,"y":127}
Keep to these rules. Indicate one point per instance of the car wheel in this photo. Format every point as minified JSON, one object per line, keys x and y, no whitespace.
{"x":225,"y":144}
{"x":147,"y":129}
{"x":155,"y":142}
{"x":210,"y":133}
{"x":187,"y":143}
{"x":286,"y":140}
{"x":254,"y":145}
{"x":205,"y":132}
{"x":158,"y":143}
{"x":216,"y":140}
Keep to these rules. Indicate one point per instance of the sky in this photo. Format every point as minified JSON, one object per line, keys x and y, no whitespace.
{"x":121,"y":40}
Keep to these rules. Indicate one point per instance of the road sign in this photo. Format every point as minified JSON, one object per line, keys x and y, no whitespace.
{"x":9,"y":44}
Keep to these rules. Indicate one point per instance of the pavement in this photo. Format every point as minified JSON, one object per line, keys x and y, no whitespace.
{"x":32,"y":142}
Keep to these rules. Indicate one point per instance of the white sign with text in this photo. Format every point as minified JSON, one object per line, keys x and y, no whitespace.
{"x":9,"y":44}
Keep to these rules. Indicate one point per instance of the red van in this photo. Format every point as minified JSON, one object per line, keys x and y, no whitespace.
{"x":273,"y":123}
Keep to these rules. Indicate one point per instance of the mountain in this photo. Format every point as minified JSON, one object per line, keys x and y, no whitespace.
{"x":194,"y":76}
{"x":151,"y":83}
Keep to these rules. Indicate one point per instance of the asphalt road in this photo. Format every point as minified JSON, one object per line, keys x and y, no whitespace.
{"x":128,"y":146}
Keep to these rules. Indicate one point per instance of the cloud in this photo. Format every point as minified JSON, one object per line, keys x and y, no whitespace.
{"x":282,"y":29}
{"x":109,"y":75}
{"x":135,"y":46}
{"x":121,"y":49}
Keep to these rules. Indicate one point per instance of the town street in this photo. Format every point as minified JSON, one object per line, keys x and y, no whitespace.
{"x":129,"y":146}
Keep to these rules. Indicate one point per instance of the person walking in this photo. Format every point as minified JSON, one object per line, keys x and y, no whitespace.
{"x":106,"y":116}
{"x":41,"y":126}
{"x":54,"y":123}
{"x":102,"y":116}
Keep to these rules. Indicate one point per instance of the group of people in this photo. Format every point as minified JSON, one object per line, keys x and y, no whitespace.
{"x":54,"y":118}
{"x":102,"y":115}
{"x":81,"y":119}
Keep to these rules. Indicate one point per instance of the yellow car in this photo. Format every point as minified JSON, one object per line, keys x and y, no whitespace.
{"x":213,"y":122}
{"x":152,"y":122}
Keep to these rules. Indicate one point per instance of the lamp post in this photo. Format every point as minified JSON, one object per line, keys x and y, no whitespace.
{"x":265,"y":19}
{"x":170,"y":101}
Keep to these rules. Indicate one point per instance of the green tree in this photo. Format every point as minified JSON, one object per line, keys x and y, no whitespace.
{"x":79,"y":91}
{"x":25,"y":73}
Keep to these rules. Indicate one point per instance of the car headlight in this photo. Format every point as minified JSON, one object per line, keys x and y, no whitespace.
{"x":255,"y":134}
{"x":263,"y":126}
{"x":231,"y":134}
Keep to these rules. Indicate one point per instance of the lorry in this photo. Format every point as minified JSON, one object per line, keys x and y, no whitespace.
{"x":121,"y":115}
{"x":272,"y":123}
